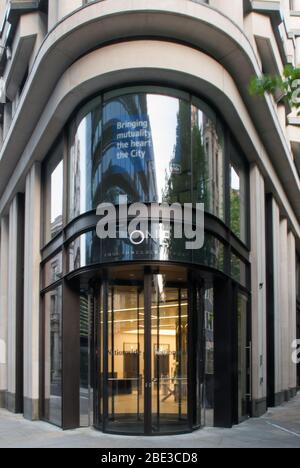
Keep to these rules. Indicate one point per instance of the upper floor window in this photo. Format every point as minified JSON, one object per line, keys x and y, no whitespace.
{"x":152,"y":147}
{"x":53,"y":194}
{"x":155,"y":145}
{"x":238,"y":196}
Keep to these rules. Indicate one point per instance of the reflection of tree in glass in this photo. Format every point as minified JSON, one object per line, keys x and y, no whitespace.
{"x":178,"y":181}
{"x":235,"y":212}
{"x":208,"y":163}
{"x":212,"y":253}
{"x":200,"y":162}
{"x":235,"y":268}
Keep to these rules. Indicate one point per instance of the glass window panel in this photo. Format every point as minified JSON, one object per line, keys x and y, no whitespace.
{"x":126,"y":359}
{"x":238,"y":201}
{"x":53,"y":270}
{"x":97,"y":357}
{"x":212,"y":253}
{"x":85,"y":154}
{"x":84,"y":251}
{"x":53,"y":356}
{"x":169,"y":344}
{"x":146,"y":149}
{"x":56,"y":199}
{"x":85,"y":394}
{"x":53,"y":196}
{"x":88,"y":249}
{"x":208,"y":161}
{"x":209,"y":357}
{"x":243,"y":350}
{"x":238,"y":270}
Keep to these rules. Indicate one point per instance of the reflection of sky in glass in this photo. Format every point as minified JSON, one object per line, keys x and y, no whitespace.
{"x":84,"y":245}
{"x":56,"y":192}
{"x":235,"y":179}
{"x":82,"y":133}
{"x":200,"y":117}
{"x":163,"y":112}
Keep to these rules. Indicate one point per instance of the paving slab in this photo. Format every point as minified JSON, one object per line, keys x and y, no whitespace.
{"x":279,"y":428}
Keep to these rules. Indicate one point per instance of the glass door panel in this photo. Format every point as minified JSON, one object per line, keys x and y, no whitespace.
{"x":148,"y":328}
{"x":169,"y":359}
{"x":125,"y":377}
{"x":243,"y":358}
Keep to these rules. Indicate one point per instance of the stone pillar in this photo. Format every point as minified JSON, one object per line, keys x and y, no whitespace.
{"x":292,"y":310}
{"x":284,"y":308}
{"x":4,"y":233}
{"x":258,"y":275}
{"x":32,"y":292}
{"x":15,"y":306}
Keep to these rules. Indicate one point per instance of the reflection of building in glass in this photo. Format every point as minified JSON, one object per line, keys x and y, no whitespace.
{"x":178,"y":174}
{"x":208,"y":162}
{"x":215,"y":160}
{"x":75,"y":180}
{"x":56,"y":226}
{"x":84,"y":344}
{"x":127,"y":163}
{"x":53,"y":356}
{"x":55,"y":269}
{"x":209,"y":354}
{"x":56,"y":350}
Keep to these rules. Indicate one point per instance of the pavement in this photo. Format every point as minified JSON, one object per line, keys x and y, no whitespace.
{"x":279,"y":428}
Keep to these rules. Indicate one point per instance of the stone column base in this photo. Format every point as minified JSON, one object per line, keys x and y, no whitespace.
{"x":259,"y":407}
{"x":292,"y":393}
{"x":279,"y":398}
{"x":285,"y":395}
{"x":3,"y":398}
{"x":31,"y":409}
{"x":11,"y":403}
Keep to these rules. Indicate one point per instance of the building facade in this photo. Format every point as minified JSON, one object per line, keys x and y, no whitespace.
{"x":149,"y":100}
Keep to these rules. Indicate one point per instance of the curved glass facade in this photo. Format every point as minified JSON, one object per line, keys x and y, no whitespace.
{"x":150,"y":147}
{"x":148,"y":312}
{"x":87,"y":250}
